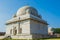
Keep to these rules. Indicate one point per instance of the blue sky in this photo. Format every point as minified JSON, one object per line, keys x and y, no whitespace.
{"x":49,"y":9}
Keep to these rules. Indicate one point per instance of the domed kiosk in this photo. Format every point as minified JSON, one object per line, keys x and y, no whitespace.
{"x":26,"y":24}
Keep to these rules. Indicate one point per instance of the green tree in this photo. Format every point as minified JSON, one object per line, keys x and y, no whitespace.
{"x":56,"y":30}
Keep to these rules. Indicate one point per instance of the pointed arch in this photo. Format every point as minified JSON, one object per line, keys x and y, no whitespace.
{"x":14,"y":31}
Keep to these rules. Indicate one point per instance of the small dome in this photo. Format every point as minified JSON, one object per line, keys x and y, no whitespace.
{"x":27,"y":9}
{"x":14,"y":16}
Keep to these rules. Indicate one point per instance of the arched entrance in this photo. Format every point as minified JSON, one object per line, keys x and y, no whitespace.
{"x":14,"y":31}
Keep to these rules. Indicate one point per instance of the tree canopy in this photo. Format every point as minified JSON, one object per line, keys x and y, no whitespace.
{"x":56,"y":30}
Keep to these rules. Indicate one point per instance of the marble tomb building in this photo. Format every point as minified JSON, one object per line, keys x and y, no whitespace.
{"x":26,"y":23}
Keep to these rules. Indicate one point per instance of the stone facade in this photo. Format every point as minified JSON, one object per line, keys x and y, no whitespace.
{"x":50,"y":31}
{"x":26,"y":23}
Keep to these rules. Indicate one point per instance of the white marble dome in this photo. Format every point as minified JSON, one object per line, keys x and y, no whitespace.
{"x":27,"y":9}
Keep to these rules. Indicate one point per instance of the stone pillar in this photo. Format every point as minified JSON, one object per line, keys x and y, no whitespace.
{"x":18,"y":28}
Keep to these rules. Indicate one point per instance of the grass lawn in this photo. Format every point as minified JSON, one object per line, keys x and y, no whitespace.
{"x":51,"y":39}
{"x":34,"y":39}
